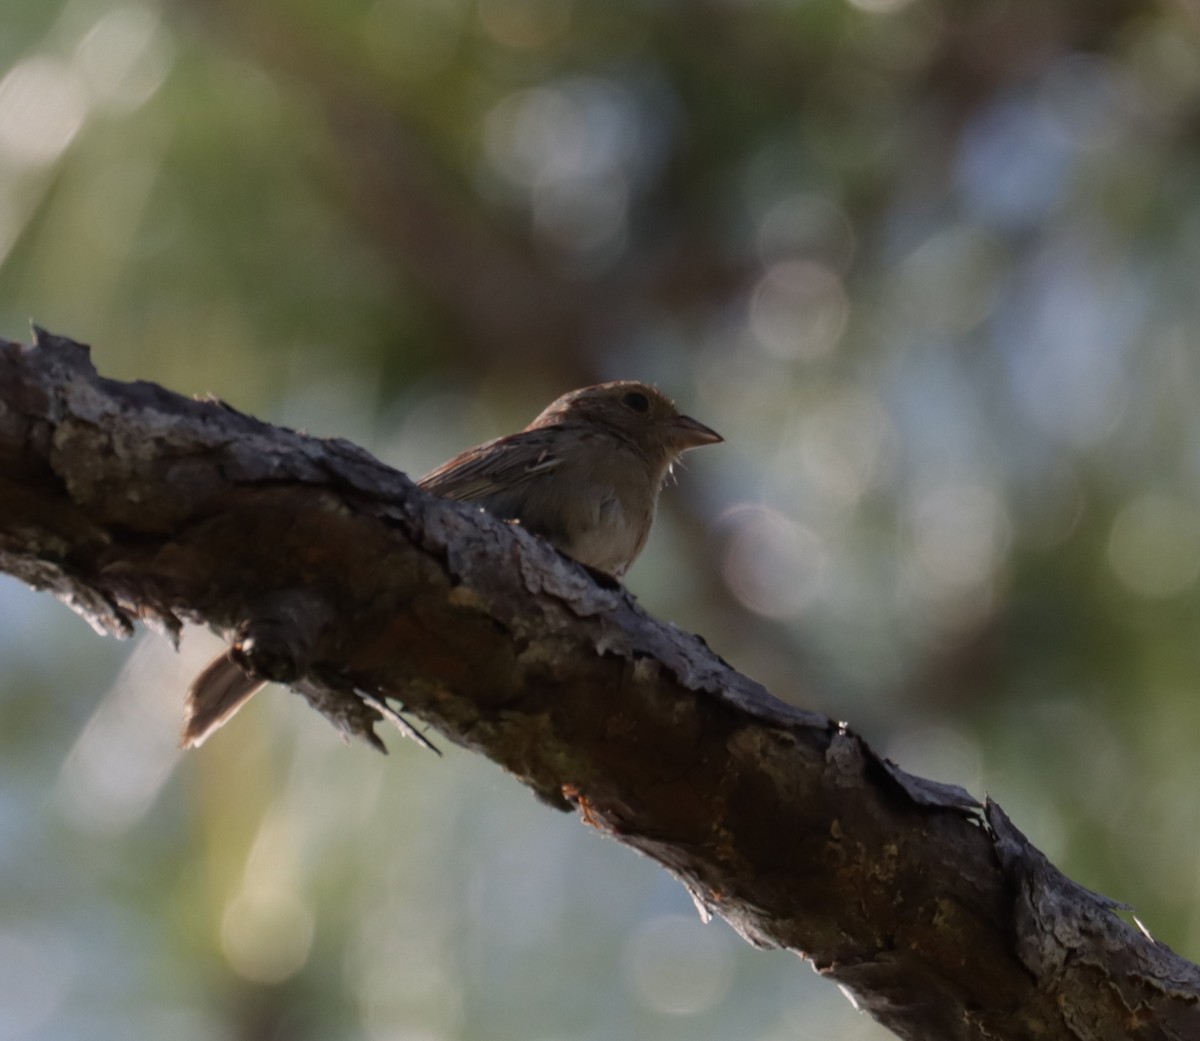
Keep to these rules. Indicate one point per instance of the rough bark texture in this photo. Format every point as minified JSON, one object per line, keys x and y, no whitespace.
{"x":130,"y":502}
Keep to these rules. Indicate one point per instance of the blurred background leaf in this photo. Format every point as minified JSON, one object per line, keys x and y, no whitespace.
{"x":930,"y":267}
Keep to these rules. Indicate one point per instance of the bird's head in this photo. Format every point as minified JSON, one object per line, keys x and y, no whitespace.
{"x":636,"y":411}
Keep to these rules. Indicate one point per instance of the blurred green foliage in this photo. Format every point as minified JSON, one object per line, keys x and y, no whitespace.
{"x":931,"y":267}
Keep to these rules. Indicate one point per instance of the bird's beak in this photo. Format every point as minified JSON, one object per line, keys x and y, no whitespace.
{"x":691,"y":433}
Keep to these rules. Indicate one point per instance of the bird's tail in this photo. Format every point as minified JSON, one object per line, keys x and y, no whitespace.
{"x":215,"y":695}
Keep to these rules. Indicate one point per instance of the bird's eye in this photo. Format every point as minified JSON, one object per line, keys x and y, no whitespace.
{"x":637,"y":401}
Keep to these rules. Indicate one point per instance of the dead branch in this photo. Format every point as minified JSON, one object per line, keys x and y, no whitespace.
{"x":133,"y":503}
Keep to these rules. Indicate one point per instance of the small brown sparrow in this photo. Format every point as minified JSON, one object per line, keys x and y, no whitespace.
{"x":585,"y":475}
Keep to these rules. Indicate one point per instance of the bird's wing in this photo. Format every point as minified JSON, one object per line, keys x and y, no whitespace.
{"x":500,"y":466}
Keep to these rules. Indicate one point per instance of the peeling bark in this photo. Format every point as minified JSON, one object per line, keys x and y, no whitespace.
{"x":132,"y":503}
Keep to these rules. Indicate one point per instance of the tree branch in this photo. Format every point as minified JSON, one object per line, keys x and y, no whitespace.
{"x":130,"y":502}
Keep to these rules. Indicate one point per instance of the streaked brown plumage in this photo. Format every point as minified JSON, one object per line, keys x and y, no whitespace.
{"x":585,"y":475}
